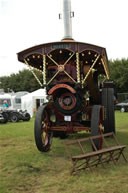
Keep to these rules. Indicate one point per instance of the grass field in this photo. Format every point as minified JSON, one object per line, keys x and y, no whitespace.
{"x":23,"y":169}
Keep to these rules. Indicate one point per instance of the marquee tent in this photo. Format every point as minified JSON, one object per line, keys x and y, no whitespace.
{"x":32,"y":101}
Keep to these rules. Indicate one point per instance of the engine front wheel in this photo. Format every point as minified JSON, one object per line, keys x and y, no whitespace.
{"x":43,"y":135}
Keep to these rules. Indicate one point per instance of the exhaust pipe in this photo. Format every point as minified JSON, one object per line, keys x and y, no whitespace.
{"x":67,"y":15}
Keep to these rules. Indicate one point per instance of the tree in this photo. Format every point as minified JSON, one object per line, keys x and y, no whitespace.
{"x":119,"y":74}
{"x":25,"y":81}
{"x":22,"y":81}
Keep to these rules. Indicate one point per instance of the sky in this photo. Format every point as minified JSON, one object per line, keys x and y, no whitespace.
{"x":26,"y":23}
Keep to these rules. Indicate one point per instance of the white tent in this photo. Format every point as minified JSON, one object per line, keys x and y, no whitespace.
{"x":31,"y":101}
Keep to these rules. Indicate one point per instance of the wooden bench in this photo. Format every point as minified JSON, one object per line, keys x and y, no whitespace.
{"x":84,"y":159}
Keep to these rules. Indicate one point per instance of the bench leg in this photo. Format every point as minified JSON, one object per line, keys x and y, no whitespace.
{"x":100,"y":161}
{"x":88,"y":165}
{"x":81,"y":166}
{"x":124,"y":157}
{"x":74,"y":162}
{"x":111,"y":157}
{"x":121,"y":153}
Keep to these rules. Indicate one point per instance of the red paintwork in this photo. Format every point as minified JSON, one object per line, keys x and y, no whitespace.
{"x":62,"y":104}
{"x":54,"y":88}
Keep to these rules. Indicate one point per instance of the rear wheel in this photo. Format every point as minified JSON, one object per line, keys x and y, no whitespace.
{"x":43,"y":135}
{"x":108,"y":102}
{"x":96,"y":128}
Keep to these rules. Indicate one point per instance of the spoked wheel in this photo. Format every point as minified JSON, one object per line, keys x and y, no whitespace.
{"x":43,"y":135}
{"x":96,"y":127}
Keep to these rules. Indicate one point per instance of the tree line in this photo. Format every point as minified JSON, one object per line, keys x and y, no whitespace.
{"x":119,"y":74}
{"x":21,"y":81}
{"x":25,"y":81}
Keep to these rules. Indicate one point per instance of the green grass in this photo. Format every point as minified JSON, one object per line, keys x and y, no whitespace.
{"x":24,"y":169}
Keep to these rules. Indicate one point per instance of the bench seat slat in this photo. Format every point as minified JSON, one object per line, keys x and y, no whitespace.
{"x":92,"y":154}
{"x":89,"y":159}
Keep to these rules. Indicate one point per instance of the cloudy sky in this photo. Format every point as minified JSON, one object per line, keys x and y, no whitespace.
{"x":26,"y":23}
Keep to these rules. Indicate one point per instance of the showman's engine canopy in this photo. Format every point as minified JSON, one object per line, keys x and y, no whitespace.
{"x":76,"y":78}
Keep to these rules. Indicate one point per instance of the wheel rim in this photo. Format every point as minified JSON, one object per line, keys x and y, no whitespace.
{"x":43,"y":135}
{"x":45,"y":127}
{"x":14,"y":118}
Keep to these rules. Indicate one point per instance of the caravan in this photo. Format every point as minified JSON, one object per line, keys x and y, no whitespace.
{"x":8,"y":98}
{"x":12,"y":99}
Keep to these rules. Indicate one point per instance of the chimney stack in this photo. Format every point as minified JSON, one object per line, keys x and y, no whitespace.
{"x":67,"y":15}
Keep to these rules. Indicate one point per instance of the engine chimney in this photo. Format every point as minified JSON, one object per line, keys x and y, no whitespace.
{"x":67,"y":19}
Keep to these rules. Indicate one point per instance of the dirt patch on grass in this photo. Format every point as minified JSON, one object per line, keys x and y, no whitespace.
{"x":26,"y":187}
{"x":123,"y":126}
{"x":7,"y":144}
{"x":27,"y":168}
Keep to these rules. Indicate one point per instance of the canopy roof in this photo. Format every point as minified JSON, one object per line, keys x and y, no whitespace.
{"x":70,"y":45}
{"x":34,"y":56}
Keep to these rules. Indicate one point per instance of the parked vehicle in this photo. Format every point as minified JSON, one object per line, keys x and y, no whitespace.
{"x":3,"y":117}
{"x":123,"y":106}
{"x":17,"y":115}
{"x":13,"y":100}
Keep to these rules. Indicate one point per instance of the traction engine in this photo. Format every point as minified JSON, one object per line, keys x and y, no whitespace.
{"x":80,"y":97}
